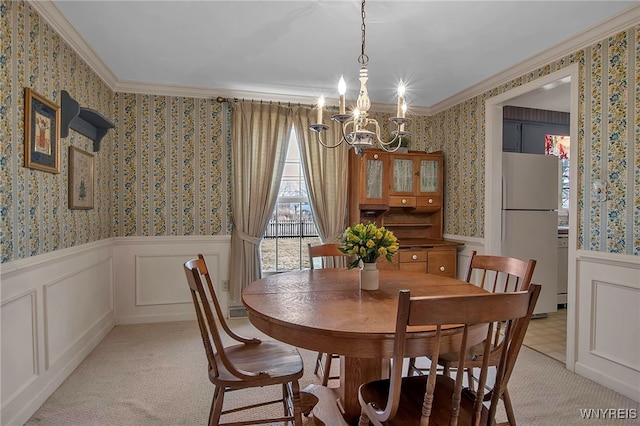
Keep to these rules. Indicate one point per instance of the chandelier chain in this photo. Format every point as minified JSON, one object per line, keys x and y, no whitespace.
{"x":356,"y":129}
{"x":363,"y":59}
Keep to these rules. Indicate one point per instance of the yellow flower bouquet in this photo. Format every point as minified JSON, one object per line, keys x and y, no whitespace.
{"x":367,"y":243}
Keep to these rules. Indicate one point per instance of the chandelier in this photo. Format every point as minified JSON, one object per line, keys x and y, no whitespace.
{"x":355,"y":127}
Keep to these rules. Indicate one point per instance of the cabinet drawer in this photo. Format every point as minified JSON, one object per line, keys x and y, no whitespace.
{"x":429,"y":201}
{"x":398,"y":201}
{"x":442,"y":262}
{"x":408,"y":256}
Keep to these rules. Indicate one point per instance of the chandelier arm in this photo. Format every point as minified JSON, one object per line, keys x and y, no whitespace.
{"x":394,"y":139}
{"x":386,"y":145}
{"x":377,"y":126}
{"x":319,"y":139}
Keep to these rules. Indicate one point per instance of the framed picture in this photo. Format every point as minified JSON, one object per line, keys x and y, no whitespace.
{"x":41,"y":133}
{"x":80,"y":179}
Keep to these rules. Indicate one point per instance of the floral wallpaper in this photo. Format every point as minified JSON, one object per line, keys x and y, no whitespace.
{"x":164,"y":170}
{"x":172,"y":166}
{"x":34,"y":213}
{"x":608,"y":147}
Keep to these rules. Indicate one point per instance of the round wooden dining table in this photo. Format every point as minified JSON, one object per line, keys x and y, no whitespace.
{"x":324,"y":310}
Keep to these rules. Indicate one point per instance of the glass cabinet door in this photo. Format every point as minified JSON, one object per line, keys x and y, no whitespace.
{"x":375,"y":178}
{"x":403,"y":175}
{"x":429,"y":176}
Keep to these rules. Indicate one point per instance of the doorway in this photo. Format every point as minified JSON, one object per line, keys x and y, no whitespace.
{"x":493,"y":179}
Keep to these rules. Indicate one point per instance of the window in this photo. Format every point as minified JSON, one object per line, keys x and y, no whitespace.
{"x":559,"y":146}
{"x":291,"y":227}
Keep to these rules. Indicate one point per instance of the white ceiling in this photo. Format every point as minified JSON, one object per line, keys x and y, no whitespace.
{"x":300,"y":48}
{"x":552,"y":97}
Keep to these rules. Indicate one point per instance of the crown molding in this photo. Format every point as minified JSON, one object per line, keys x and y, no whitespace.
{"x":209,"y":93}
{"x":206,"y":92}
{"x":607,"y":28}
{"x":50,"y":12}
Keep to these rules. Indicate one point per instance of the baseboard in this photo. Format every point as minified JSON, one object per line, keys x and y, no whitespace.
{"x":608,"y":381}
{"x":147,"y":319}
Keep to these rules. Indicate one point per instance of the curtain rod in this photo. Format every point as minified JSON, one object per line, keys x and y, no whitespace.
{"x":222,"y":99}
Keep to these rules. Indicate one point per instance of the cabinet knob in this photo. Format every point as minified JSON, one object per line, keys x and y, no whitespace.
{"x":375,"y":156}
{"x":430,"y":200}
{"x":442,"y":269}
{"x":404,"y":201}
{"x":414,"y":257}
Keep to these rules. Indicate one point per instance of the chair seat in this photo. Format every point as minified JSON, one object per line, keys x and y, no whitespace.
{"x":411,"y":397}
{"x":278,"y":359}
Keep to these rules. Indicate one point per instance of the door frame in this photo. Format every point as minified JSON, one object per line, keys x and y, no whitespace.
{"x":493,"y":184}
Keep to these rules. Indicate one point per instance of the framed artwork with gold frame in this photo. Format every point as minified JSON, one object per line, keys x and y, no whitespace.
{"x":80,"y":179}
{"x":41,"y":133}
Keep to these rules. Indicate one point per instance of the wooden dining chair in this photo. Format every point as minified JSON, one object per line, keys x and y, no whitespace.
{"x":436,"y":399}
{"x":497,"y":274}
{"x":330,"y":257}
{"x":252,"y":363}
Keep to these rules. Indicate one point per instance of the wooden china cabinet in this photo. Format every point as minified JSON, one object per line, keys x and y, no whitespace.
{"x":404,"y":193}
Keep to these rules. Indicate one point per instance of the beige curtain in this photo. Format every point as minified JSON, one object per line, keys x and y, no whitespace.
{"x":326,"y":173}
{"x":260,"y":134}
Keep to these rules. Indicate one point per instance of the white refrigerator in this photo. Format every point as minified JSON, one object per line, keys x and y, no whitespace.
{"x":530,"y":219}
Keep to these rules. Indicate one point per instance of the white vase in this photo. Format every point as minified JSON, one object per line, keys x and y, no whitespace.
{"x":369,"y":276}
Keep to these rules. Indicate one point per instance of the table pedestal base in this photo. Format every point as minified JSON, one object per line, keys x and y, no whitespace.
{"x":340,"y":406}
{"x":353,"y":373}
{"x":325,"y":412}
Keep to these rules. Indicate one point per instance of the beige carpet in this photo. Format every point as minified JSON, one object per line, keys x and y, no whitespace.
{"x":155,"y":374}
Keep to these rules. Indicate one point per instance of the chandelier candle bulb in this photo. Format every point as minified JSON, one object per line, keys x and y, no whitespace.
{"x":401,"y":104}
{"x":342,"y":89}
{"x":320,"y":106}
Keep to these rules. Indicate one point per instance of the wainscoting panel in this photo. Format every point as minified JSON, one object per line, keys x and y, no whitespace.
{"x":608,"y":326}
{"x":150,"y":281}
{"x":606,"y":322}
{"x":19,"y":344}
{"x":55,"y":309}
{"x":160,"y":280}
{"x":90,"y":287}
